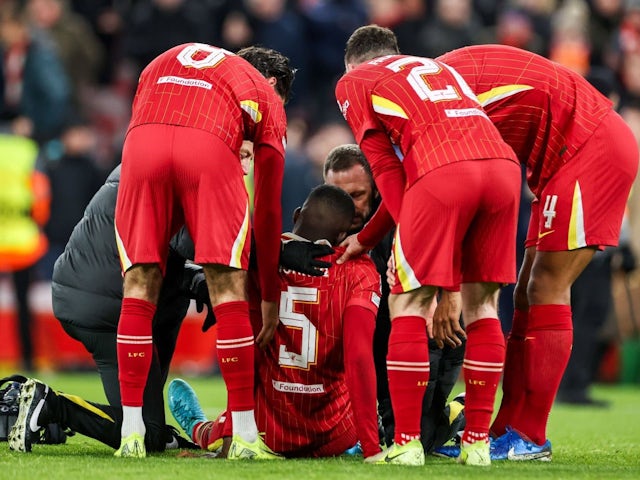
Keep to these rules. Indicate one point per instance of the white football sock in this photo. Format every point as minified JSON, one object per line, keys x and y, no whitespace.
{"x":244,"y":424}
{"x":132,"y":421}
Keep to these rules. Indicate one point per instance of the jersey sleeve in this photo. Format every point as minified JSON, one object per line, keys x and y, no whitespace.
{"x":387,"y":170}
{"x":267,"y":218}
{"x":355,"y":104}
{"x":269,"y":144}
{"x":272,"y":128}
{"x":380,"y":223}
{"x":358,"y":327}
{"x":365,"y":284}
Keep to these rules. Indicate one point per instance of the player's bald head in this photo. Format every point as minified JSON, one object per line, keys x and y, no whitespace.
{"x":369,"y":42}
{"x":327,"y":213}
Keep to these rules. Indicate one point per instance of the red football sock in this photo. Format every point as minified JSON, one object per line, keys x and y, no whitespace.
{"x":201,"y":432}
{"x":207,"y":433}
{"x":547,"y":351}
{"x":234,"y":346}
{"x":482,"y":369}
{"x":513,"y":381}
{"x":134,"y":349}
{"x":408,"y":373}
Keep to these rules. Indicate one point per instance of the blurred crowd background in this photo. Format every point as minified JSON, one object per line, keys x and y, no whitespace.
{"x":71,"y":90}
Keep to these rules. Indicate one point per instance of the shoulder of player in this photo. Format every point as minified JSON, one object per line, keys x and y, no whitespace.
{"x":366,"y":72}
{"x":360,"y":262}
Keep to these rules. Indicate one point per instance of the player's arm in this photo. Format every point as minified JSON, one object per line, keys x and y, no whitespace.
{"x":386,"y":168}
{"x":354,"y":100}
{"x":390,"y":180}
{"x":267,"y":221}
{"x":359,"y":325}
{"x":380,"y":223}
{"x":446,"y":320}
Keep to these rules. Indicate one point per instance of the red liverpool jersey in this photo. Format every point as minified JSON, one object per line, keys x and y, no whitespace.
{"x":206,"y":87}
{"x":425,"y":108}
{"x":543,"y":110}
{"x":302,"y":385}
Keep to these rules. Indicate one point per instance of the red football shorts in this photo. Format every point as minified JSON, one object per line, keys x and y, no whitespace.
{"x":583,"y":203}
{"x":173,"y":176}
{"x":295,"y":437}
{"x":458,"y":224}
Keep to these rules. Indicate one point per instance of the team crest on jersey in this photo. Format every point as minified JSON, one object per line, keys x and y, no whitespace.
{"x":343,"y":108}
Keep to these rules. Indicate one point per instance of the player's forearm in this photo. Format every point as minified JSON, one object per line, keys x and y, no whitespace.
{"x":387,"y":170}
{"x":377,"y":227}
{"x":269,"y":168}
{"x":359,"y":325}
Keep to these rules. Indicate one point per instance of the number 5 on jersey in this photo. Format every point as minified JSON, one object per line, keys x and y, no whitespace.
{"x":298,"y":321}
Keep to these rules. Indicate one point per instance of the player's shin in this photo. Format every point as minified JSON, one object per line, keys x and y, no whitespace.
{"x":513,"y":381}
{"x":235,"y":350}
{"x":135,"y":350}
{"x":408,"y":373}
{"x":482,"y":368}
{"x":547,"y":351}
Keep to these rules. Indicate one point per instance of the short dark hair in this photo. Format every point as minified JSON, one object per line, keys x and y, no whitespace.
{"x":271,"y":63}
{"x":327,"y":212}
{"x":343,"y":157}
{"x":369,"y":42}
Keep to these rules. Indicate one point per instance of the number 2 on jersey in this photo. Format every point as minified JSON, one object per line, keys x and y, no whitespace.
{"x":418,"y":81}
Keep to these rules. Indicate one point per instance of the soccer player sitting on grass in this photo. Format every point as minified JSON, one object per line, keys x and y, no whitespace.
{"x":346,"y":167}
{"x":87,"y":294}
{"x":315,"y":393}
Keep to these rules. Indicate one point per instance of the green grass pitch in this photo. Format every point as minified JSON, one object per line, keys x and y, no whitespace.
{"x":588,"y":443}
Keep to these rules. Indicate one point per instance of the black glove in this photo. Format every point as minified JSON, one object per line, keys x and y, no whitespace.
{"x":301,"y":256}
{"x":201,"y":296}
{"x":194,"y":286}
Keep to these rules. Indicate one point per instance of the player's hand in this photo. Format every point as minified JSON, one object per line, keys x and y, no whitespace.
{"x":270,"y":321}
{"x":246,"y":156}
{"x":446,"y":320}
{"x":430,"y":313}
{"x":391,"y":271}
{"x":353,"y":248}
{"x":303,"y":257}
